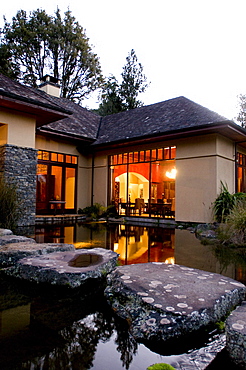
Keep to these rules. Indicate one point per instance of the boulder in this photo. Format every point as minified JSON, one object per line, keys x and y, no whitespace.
{"x":236,"y":335}
{"x":70,"y":269}
{"x":10,"y":253}
{"x":5,"y":232}
{"x":163,"y":302}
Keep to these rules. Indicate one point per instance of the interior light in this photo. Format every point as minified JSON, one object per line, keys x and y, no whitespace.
{"x":171,"y":174}
{"x":117,"y":179}
{"x":170,"y":261}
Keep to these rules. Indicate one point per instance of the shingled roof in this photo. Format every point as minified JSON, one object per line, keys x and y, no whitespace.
{"x":16,"y":91}
{"x":152,"y":120}
{"x":64,"y":118}
{"x":70,"y":119}
{"x":82,"y":123}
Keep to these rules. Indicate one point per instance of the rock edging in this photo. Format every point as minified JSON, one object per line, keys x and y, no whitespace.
{"x":236,"y":335}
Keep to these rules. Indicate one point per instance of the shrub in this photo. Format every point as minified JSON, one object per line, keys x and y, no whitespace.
{"x":236,"y":223}
{"x":111,"y":211}
{"x":96,"y":211}
{"x":10,"y":205}
{"x":223,"y":204}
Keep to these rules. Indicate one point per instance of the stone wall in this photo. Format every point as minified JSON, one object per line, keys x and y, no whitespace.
{"x":18,"y":166}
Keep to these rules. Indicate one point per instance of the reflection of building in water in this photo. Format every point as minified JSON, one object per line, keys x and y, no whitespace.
{"x":189,"y":251}
{"x":13,"y":320}
{"x":136,"y":244}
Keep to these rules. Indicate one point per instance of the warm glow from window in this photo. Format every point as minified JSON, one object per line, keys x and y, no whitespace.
{"x":170,"y":261}
{"x":171,"y":174}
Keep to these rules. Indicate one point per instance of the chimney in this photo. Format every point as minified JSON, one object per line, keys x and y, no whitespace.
{"x":50,"y":85}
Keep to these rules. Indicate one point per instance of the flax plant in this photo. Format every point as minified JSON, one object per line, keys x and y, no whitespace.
{"x":223,"y":204}
{"x":10,"y":206}
{"x":236,"y":223}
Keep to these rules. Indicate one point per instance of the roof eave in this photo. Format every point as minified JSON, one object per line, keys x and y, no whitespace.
{"x":227,"y":128}
{"x":44,"y":113}
{"x":64,"y":135}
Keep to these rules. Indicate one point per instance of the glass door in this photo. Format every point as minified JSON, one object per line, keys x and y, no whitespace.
{"x":42,"y":180}
{"x":56,"y":183}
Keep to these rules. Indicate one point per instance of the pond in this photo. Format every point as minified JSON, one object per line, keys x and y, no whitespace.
{"x":46,"y":330}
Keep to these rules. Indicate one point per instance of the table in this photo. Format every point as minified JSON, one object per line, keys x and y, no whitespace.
{"x":56,"y":202}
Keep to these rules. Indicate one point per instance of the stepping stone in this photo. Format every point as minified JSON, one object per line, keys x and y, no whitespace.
{"x":163,"y":301}
{"x":10,"y":238}
{"x":5,"y":232}
{"x":10,"y":253}
{"x":236,"y":335}
{"x":70,"y":269}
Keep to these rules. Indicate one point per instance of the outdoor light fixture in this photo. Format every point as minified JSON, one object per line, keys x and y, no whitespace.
{"x":171,"y":174}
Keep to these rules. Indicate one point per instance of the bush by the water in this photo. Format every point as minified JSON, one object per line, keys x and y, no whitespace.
{"x":98,"y":211}
{"x":230,"y":211}
{"x":223,"y":204}
{"x":10,"y":205}
{"x":233,"y":232}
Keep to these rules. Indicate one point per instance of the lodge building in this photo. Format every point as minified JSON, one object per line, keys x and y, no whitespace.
{"x":164,"y":160}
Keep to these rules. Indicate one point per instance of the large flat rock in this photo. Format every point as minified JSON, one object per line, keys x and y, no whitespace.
{"x":10,"y":238}
{"x":70,"y":269}
{"x":163,"y":301}
{"x":236,"y":335}
{"x":10,"y":253}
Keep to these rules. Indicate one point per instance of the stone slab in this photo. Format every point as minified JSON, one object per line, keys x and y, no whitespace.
{"x":10,"y":253}
{"x":10,"y":238}
{"x":5,"y":232}
{"x":70,"y":269}
{"x":236,"y":335}
{"x":163,"y":301}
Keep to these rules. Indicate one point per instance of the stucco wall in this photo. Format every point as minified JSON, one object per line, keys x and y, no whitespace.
{"x":202,"y":163}
{"x":100,"y":179}
{"x":20,"y":129}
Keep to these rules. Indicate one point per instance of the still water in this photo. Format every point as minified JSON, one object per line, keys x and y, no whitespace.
{"x":44,"y":330}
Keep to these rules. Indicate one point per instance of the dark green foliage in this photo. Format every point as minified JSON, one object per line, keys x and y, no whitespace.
{"x":7,"y":68}
{"x":117,"y":97}
{"x":223,"y":204}
{"x":160,"y":366}
{"x":111,"y":211}
{"x":241,"y":117}
{"x":40,"y":44}
{"x":234,"y":231}
{"x":133,"y":81}
{"x":111,"y":100}
{"x":98,"y":211}
{"x":10,"y":207}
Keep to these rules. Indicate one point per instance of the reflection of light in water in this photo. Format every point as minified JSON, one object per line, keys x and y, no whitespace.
{"x":89,"y":244}
{"x":170,"y":261}
{"x":116,"y":246}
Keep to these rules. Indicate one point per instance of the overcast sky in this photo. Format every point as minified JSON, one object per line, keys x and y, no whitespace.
{"x":193,"y":48}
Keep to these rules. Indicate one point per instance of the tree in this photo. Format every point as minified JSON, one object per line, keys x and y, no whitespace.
{"x":117,"y":97}
{"x":40,"y":44}
{"x":133,"y":83}
{"x":111,"y":101}
{"x":242,"y":113}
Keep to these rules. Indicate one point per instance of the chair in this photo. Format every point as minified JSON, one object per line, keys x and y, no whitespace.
{"x":139,"y":205}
